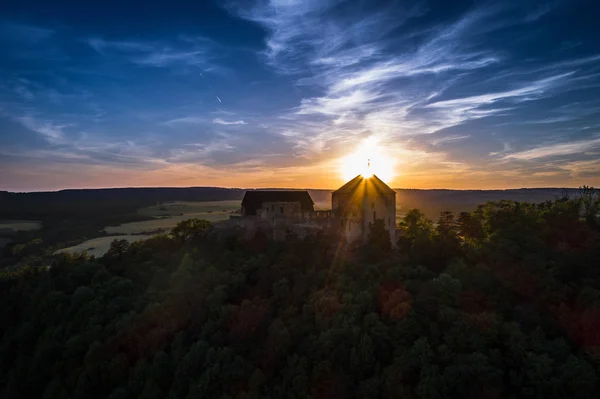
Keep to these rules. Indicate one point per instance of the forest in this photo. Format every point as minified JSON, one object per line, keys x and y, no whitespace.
{"x":500,"y":302}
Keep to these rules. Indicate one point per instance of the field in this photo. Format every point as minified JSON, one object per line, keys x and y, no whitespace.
{"x":18,"y":225}
{"x":99,"y":246}
{"x":190,"y":207}
{"x":166,"y":216}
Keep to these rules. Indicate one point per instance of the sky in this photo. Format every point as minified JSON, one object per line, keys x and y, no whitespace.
{"x":279,"y":93}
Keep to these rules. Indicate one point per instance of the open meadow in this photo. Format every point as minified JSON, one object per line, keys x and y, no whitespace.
{"x":167,"y":215}
{"x":20,"y":225}
{"x":99,"y":246}
{"x":8,"y":229}
{"x":162,"y":218}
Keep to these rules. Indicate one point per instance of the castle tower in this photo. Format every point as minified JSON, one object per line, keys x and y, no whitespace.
{"x":359,"y":203}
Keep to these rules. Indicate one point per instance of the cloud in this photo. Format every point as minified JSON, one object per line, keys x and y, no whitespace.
{"x":361,"y":73}
{"x":584,"y":168}
{"x":178,"y":52}
{"x":369,"y":81}
{"x":448,"y":139}
{"x":161,"y":58}
{"x":539,"y":11}
{"x":194,"y":120}
{"x":337,"y":105}
{"x":440,"y":87}
{"x":24,"y":33}
{"x":105,"y":47}
{"x":220,"y":121}
{"x":527,"y":91}
{"x":23,"y":92}
{"x":198,"y":152}
{"x":574,"y":147}
{"x":53,"y":133}
{"x":506,"y":147}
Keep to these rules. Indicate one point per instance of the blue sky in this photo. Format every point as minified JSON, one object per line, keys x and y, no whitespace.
{"x":276,"y":93}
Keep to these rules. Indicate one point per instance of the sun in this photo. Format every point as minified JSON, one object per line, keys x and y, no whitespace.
{"x":368,"y":159}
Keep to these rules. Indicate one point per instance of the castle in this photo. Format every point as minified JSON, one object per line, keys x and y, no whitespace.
{"x":360,"y":202}
{"x":354,"y":206}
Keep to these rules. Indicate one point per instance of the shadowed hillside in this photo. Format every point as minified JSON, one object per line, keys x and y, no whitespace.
{"x":502,"y":302}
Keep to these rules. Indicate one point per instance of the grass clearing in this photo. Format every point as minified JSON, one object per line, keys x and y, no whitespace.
{"x":20,"y":225}
{"x":99,"y":246}
{"x":167,"y":215}
{"x":164,"y":217}
{"x":166,"y":223}
{"x":189,"y":207}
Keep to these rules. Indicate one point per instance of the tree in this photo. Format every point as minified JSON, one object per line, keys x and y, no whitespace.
{"x":515,"y":314}
{"x":590,"y":204}
{"x":469,"y":227}
{"x":117,"y":249}
{"x":415,"y":224}
{"x":190,"y":229}
{"x":379,"y":236}
{"x":446,"y":226}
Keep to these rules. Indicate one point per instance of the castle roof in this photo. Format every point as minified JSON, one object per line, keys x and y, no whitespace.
{"x":360,"y":182}
{"x":254,"y":199}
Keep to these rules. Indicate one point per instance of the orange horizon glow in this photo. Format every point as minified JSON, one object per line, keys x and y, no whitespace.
{"x":418,"y":171}
{"x":326,"y":180}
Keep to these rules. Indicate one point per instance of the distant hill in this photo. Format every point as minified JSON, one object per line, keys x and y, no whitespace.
{"x":432,"y":202}
{"x":83,"y":202}
{"x":92,"y":201}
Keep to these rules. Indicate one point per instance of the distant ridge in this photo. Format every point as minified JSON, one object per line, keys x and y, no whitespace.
{"x":91,"y":200}
{"x":273,"y":188}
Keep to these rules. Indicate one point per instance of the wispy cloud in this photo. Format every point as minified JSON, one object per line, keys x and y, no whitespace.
{"x":506,"y":148}
{"x":106,"y":47}
{"x":198,"y":120}
{"x":583,"y":169}
{"x":370,"y":82}
{"x":478,"y":94}
{"x":24,"y":33}
{"x":336,"y":105}
{"x":53,"y":133}
{"x":186,"y":120}
{"x":528,"y":91}
{"x":24,"y":92}
{"x":220,"y":121}
{"x":540,"y":11}
{"x":448,"y":139}
{"x":180,"y":51}
{"x":202,"y":151}
{"x":574,"y":147}
{"x":161,"y":58}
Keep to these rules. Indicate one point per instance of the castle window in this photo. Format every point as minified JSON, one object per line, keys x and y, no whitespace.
{"x":374,"y":215}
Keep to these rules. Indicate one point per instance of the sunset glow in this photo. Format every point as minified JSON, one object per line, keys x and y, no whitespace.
{"x":369,"y":158}
{"x":296,"y":94}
